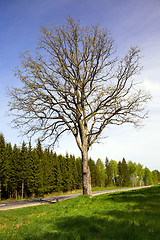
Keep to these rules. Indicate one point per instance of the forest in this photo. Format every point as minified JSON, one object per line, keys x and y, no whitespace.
{"x":28,"y":171}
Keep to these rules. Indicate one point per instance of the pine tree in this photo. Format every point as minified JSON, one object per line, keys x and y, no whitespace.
{"x":95,"y":174}
{"x":47,"y":171}
{"x":108,"y":171}
{"x":51,"y":176}
{"x":34,"y":180}
{"x":79,"y":173}
{"x":125,"y":174}
{"x":69,"y":172}
{"x":2,"y":153}
{"x":58,"y":184}
{"x":63,"y":172}
{"x":15,"y":173}
{"x":23,"y":168}
{"x":74,"y":171}
{"x":120,"y":174}
{"x":8,"y":167}
{"x":39,"y":149}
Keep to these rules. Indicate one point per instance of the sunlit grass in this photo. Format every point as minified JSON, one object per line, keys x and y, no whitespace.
{"x":126,"y":215}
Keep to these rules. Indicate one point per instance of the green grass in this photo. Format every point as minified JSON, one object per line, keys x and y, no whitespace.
{"x":124,"y":216}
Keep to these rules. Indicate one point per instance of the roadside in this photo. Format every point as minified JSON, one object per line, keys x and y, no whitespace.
{"x":49,"y":200}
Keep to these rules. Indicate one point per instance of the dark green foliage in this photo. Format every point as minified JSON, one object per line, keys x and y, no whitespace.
{"x":123,"y":174}
{"x":95,"y":174}
{"x":35,"y":177}
{"x":15,"y":171}
{"x":27,"y":171}
{"x":155,"y":176}
{"x":8,"y":167}
{"x":147,"y":177}
{"x":108,"y":170}
{"x":79,"y":173}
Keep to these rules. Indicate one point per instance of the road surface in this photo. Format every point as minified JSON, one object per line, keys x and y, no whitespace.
{"x":48,"y":200}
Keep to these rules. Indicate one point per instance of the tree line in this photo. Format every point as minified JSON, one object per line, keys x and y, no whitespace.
{"x":27,"y":172}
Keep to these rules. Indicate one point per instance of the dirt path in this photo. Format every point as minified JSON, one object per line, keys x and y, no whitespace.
{"x":49,"y":200}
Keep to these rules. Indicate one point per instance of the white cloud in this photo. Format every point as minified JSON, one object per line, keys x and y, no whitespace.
{"x":154,"y":88}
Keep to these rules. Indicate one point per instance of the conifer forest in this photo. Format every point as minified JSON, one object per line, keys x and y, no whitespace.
{"x":28,"y":171}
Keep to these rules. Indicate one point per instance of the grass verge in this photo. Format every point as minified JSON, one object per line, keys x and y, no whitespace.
{"x":126,"y":215}
{"x":54,"y":194}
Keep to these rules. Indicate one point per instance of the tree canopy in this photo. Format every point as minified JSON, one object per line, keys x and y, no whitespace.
{"x":76,"y":83}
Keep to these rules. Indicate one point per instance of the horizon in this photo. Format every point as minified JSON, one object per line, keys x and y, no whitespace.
{"x":132,"y":23}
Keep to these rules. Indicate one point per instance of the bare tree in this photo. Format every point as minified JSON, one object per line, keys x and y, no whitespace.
{"x":75,"y":83}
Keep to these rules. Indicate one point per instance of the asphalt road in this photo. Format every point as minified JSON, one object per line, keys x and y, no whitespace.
{"x":48,"y":200}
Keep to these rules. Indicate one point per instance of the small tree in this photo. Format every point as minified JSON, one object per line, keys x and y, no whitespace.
{"x":140,"y":174}
{"x":23,"y":167}
{"x":76,"y":84}
{"x":132,"y":167}
{"x":147,"y":177}
{"x":123,"y":173}
{"x":108,"y":172}
{"x":113,"y":165}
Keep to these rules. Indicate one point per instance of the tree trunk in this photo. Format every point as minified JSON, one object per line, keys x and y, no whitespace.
{"x":16,"y":193}
{"x":86,"y":181}
{"x":140,"y":182}
{"x":10,"y":194}
{"x":22,"y":189}
{"x":114,"y":181}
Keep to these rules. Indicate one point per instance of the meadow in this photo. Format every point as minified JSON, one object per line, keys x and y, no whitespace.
{"x":123,"y":215}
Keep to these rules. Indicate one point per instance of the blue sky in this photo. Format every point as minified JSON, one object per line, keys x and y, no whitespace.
{"x":131,"y":22}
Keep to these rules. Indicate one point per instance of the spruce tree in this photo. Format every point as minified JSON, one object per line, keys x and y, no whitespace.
{"x":8,"y":169}
{"x":69,"y":172}
{"x":58,"y":184}
{"x":125,"y":174}
{"x":79,"y":173}
{"x":47,"y":171}
{"x":15,"y":173}
{"x":74,"y":171}
{"x":108,"y":171}
{"x":120,"y":174}
{"x":23,"y":167}
{"x":95,"y":180}
{"x":34,"y":181}
{"x":51,"y":178}
{"x":2,"y":153}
